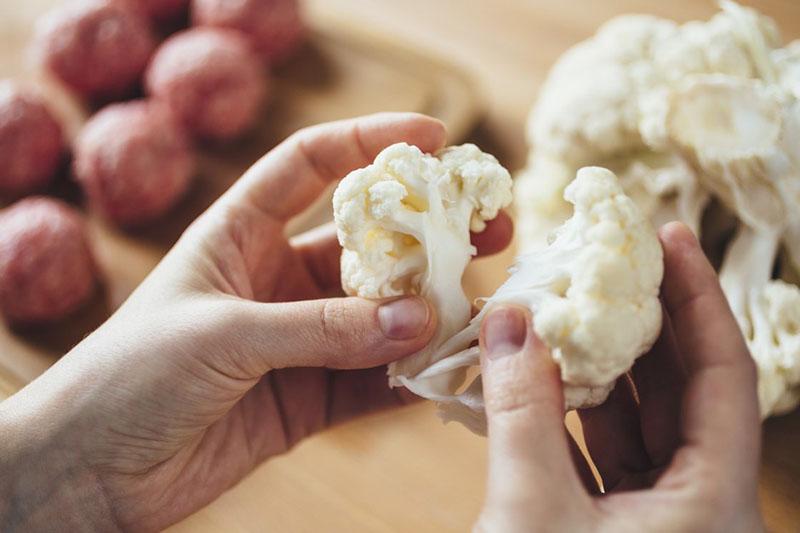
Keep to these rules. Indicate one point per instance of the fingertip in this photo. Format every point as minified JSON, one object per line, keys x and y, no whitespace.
{"x":495,"y":237}
{"x":678,"y":235}
{"x":407,"y":318}
{"x":504,"y":331}
{"x":429,"y":134}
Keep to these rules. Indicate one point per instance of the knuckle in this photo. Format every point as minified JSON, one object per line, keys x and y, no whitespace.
{"x":339,"y":326}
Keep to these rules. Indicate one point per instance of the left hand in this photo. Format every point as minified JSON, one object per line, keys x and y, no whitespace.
{"x":196,"y":379}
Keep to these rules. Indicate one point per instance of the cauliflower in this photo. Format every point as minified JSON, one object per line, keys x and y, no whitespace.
{"x":593,"y":292}
{"x":768,"y":312}
{"x":735,"y":131}
{"x":744,"y":136}
{"x":687,"y":114}
{"x":607,"y":99}
{"x":404,"y":225}
{"x":664,"y":187}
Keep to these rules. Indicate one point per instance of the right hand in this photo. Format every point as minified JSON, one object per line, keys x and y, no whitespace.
{"x":684,"y":457}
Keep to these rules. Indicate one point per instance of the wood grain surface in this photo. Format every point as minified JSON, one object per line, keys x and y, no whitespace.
{"x":399,"y":471}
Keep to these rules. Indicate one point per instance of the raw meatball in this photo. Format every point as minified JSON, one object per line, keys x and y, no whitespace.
{"x":97,"y":48}
{"x":133,"y":161}
{"x":161,"y":10}
{"x":31,"y":142}
{"x":275,"y":27}
{"x":210,"y":79}
{"x":46,"y":267}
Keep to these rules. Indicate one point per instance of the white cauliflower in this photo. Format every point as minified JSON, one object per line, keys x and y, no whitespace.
{"x":606,"y":101}
{"x":597,"y":96}
{"x":404,"y":223}
{"x":664,"y":187}
{"x":685,"y":114}
{"x":735,"y":132}
{"x":768,"y":312}
{"x":744,"y":136}
{"x":593,"y":292}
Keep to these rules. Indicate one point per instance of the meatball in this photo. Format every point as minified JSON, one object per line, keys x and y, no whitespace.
{"x":46,"y":266}
{"x":275,"y":27}
{"x":97,"y":48}
{"x":133,"y":161}
{"x":211,"y":80}
{"x":31,"y":142}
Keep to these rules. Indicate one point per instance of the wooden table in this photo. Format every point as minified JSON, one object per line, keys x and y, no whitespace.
{"x":404,"y":471}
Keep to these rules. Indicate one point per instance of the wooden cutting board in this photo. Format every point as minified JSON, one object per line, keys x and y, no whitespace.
{"x":337,"y":75}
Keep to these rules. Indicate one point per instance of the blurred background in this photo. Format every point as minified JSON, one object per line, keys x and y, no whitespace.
{"x":475,"y":64}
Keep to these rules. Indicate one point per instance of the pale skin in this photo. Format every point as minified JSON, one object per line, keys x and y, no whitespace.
{"x":684,"y":457}
{"x":238,"y":345}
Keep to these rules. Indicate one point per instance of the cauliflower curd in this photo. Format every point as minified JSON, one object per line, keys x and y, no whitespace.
{"x":404,"y":223}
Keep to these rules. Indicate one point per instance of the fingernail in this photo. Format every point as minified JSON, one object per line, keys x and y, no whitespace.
{"x":504,"y":331}
{"x":405,"y":318}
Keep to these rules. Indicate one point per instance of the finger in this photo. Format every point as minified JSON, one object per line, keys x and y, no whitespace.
{"x":721,"y":418}
{"x":345,"y":333}
{"x":291,"y":176}
{"x":320,"y":249}
{"x":528,"y":450}
{"x":356,"y":393}
{"x":659,"y":379}
{"x":613,"y":436}
{"x":496,"y":236}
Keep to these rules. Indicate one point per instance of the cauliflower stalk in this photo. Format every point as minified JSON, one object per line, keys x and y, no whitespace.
{"x":404,"y":224}
{"x":744,"y":135}
{"x":683,"y":114}
{"x":594,"y":293}
{"x":768,"y":312}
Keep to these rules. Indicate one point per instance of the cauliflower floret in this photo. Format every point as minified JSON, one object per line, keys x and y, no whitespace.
{"x":663,"y":186}
{"x":404,"y":223}
{"x":774,"y":341}
{"x":593,"y":292}
{"x":539,"y":196}
{"x":608,"y":97}
{"x":787,"y":61}
{"x":768,"y":312}
{"x":733,"y":131}
{"x":585,"y":108}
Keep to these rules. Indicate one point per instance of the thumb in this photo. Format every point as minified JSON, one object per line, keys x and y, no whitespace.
{"x":529,"y":457}
{"x":345,"y":333}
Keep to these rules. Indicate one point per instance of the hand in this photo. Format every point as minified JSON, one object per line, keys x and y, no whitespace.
{"x":195,"y":380}
{"x":684,"y":457}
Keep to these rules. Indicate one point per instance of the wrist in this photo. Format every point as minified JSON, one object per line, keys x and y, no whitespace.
{"x":45,"y":484}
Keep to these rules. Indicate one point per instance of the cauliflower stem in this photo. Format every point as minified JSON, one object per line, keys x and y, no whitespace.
{"x":593,"y":291}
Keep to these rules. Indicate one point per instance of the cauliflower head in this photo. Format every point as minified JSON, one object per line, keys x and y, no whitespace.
{"x":688,"y":116}
{"x":594,"y":294}
{"x":404,"y":225}
{"x":609,"y":101}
